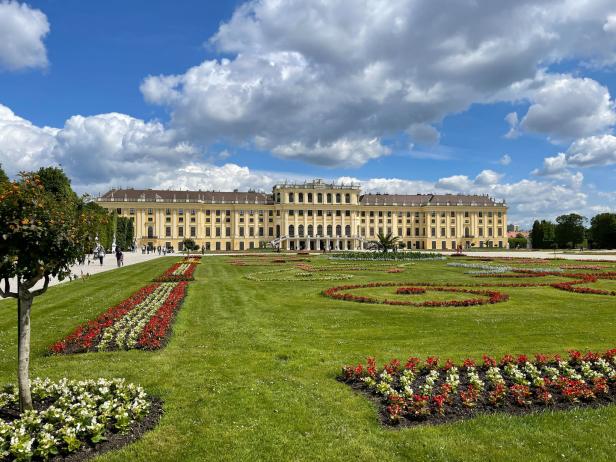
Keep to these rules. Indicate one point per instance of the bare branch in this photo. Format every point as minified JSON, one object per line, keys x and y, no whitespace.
{"x":7,"y":290}
{"x":38,"y":292}
{"x":32,"y":281}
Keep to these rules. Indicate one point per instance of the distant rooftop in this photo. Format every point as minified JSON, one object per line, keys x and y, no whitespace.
{"x":317,"y":184}
{"x":252,"y":197}
{"x":163,"y":195}
{"x":428,"y":199}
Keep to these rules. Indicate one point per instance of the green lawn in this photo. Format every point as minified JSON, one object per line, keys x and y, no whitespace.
{"x":250,"y":371}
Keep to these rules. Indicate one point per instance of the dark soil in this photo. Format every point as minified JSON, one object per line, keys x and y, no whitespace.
{"x":114,"y":441}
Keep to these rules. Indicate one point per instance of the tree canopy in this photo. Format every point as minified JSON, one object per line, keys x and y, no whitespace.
{"x":569,"y":230}
{"x":125,"y":232}
{"x":542,"y":235}
{"x":603,"y":230}
{"x":386,"y":242}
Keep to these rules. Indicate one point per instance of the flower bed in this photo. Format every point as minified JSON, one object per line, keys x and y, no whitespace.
{"x":178,"y":272}
{"x":286,"y":275}
{"x":485,"y":296}
{"x":196,"y":259}
{"x":427,"y":392}
{"x":71,"y":416}
{"x":387,"y":256}
{"x":142,"y":321}
{"x":571,"y":287}
{"x":411,"y":290}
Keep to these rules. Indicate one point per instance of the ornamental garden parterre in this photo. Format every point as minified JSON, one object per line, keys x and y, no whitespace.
{"x":73,"y":417}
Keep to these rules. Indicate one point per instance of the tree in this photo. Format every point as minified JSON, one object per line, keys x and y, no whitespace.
{"x":42,"y":234}
{"x":189,"y":245}
{"x":570,"y":230}
{"x":385,"y":242}
{"x":3,"y":177}
{"x":517,"y":242}
{"x":124,"y":232}
{"x":56,"y":183}
{"x":603,"y":230}
{"x":104,"y":223}
{"x":543,"y":234}
{"x":401,"y":245}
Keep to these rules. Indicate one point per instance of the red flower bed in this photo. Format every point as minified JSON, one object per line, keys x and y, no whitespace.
{"x":489,"y":296}
{"x":156,"y":330}
{"x":411,"y":290}
{"x":570,"y":287}
{"x":85,"y":335}
{"x":186,"y":275}
{"x":425,"y":392}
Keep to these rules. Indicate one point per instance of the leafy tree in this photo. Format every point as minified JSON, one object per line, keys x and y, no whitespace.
{"x":104,"y":223}
{"x":603,"y":230}
{"x":42,"y":234}
{"x":401,"y":245}
{"x":189,"y":245}
{"x":543,"y":234}
{"x":3,"y":176}
{"x":570,"y":230}
{"x":124,"y":232}
{"x":385,"y":242}
{"x":56,"y":183}
{"x":519,"y":241}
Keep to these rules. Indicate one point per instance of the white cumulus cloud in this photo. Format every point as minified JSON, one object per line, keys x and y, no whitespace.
{"x":301,"y":75}
{"x":22,"y":30}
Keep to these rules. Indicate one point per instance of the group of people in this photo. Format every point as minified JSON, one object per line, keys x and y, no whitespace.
{"x":160,"y":249}
{"x":99,"y":254}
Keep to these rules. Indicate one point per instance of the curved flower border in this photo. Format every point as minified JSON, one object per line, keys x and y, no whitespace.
{"x":488,"y":296}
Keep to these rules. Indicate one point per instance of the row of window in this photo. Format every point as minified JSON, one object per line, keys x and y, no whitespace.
{"x":433,"y":232}
{"x":310,"y":231}
{"x":250,"y":232}
{"x":329,"y":198}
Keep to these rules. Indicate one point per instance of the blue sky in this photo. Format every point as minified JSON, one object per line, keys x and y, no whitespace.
{"x":402,"y":96}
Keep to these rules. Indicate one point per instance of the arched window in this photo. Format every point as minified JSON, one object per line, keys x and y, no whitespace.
{"x":150,"y":232}
{"x":309,"y":199}
{"x":300,"y":230}
{"x":338,"y":230}
{"x":347,"y":198}
{"x":310,"y":231}
{"x":300,"y":197}
{"x":337,"y":198}
{"x":291,"y":198}
{"x":320,"y":198}
{"x":329,"y":230}
{"x":347,"y":231}
{"x":291,"y":230}
{"x":329,"y":198}
{"x":319,"y":230}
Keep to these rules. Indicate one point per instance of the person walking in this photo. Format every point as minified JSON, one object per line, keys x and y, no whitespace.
{"x":101,"y":254}
{"x":119,"y":256}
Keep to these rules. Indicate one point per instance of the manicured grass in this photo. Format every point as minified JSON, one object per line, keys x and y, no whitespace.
{"x":249,"y":373}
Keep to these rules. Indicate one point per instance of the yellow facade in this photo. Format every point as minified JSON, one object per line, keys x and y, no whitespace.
{"x":313,"y":216}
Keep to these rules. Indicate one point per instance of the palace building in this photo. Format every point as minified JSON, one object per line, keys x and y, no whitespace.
{"x":309,"y":216}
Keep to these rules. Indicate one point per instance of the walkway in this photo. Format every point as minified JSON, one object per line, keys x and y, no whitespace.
{"x":109,"y":263}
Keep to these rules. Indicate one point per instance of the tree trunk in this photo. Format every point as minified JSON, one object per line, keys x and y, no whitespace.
{"x":23,"y":350}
